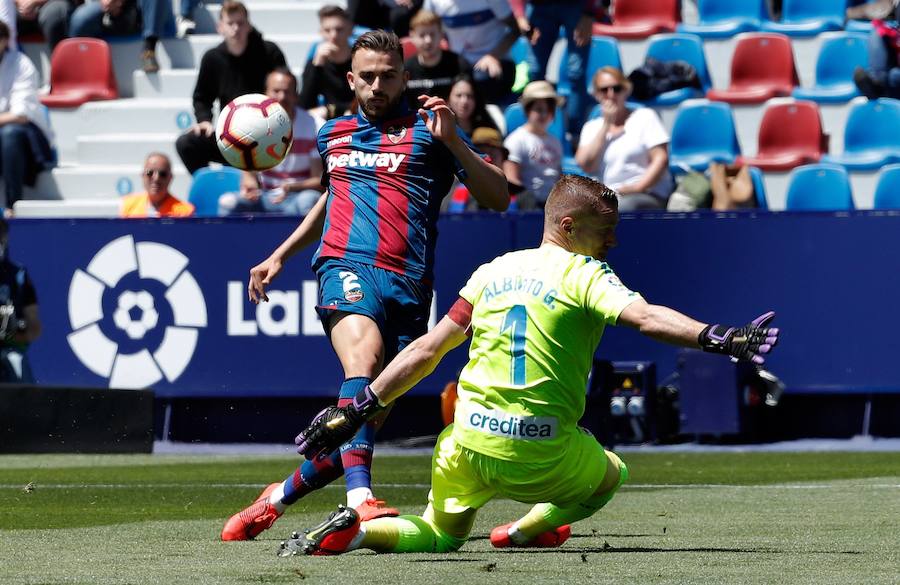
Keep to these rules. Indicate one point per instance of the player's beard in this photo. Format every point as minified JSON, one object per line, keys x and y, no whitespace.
{"x":382,"y":112}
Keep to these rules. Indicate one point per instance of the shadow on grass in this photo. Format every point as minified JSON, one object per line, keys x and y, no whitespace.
{"x":662,"y":549}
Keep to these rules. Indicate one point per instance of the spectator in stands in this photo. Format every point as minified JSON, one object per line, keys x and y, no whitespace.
{"x":156,"y":201}
{"x":542,"y":28}
{"x":626,"y":150}
{"x":325,"y":75}
{"x":295,"y":185}
{"x":882,"y":79}
{"x":25,"y":134}
{"x":237,"y":66}
{"x":433,"y":69}
{"x":391,"y":15}
{"x":114,"y":18}
{"x":47,"y":17}
{"x":466,"y":102}
{"x":184,"y":22}
{"x":8,"y":16}
{"x":535,"y":156}
{"x":20,"y":323}
{"x":490,"y":142}
{"x":482,"y":32}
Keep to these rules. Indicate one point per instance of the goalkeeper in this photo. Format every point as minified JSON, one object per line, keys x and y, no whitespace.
{"x":535,"y":318}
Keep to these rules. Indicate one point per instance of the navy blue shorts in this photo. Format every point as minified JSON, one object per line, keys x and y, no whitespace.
{"x":398,"y":304}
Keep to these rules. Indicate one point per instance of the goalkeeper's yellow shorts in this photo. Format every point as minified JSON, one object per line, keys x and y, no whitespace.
{"x":462,"y":479}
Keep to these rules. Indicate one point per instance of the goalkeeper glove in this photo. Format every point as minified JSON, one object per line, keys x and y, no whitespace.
{"x":336,"y":425}
{"x":747,"y":343}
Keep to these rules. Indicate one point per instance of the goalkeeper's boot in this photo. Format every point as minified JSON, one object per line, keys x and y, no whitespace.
{"x":372,"y":508}
{"x":550,"y":539}
{"x":252,"y":520}
{"x":331,"y":537}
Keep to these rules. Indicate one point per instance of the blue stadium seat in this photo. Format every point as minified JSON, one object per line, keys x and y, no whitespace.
{"x":703,"y":132}
{"x":604,"y":51}
{"x":887,"y":190}
{"x":208,"y":185}
{"x":514,"y":115}
{"x":861,"y":26}
{"x":726,"y":18}
{"x":679,"y":47}
{"x":870,"y":136}
{"x":819,"y":188}
{"x":759,"y":188}
{"x":840,"y":54}
{"x":808,"y":18}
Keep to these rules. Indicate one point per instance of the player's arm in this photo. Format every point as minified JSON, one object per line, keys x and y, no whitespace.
{"x":309,"y":231}
{"x":485,"y":182}
{"x":749,"y":342}
{"x":334,"y":425}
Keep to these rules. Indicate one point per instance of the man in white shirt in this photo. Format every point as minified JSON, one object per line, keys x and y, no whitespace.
{"x":25,"y":133}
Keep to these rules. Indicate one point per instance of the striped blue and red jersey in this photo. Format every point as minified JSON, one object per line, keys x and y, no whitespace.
{"x":386,"y":180}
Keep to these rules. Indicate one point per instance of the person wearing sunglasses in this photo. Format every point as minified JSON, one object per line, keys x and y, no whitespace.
{"x":626,"y":149}
{"x":155,"y":201}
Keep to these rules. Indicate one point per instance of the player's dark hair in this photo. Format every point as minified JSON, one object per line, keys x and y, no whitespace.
{"x":574,"y":194}
{"x":330,"y":10}
{"x":4,"y":30}
{"x":287,"y":73}
{"x":378,"y":41}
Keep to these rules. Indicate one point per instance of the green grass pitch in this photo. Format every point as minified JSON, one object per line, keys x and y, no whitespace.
{"x":705,"y":518}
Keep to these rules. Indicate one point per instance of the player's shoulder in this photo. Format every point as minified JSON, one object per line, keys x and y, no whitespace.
{"x":337,"y":131}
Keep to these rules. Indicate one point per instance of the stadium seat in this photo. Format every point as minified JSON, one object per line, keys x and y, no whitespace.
{"x":862,"y":26}
{"x":887,"y":190}
{"x":81,"y":70}
{"x":726,"y":18}
{"x":790,"y":135}
{"x":819,"y":188}
{"x":840,"y":54}
{"x":638,"y":19}
{"x":870,"y":135}
{"x":679,"y":47}
{"x":759,"y":189}
{"x":762,"y":67}
{"x":808,"y":18}
{"x":208,"y":185}
{"x":703,"y":132}
{"x":514,"y":115}
{"x":604,"y":52}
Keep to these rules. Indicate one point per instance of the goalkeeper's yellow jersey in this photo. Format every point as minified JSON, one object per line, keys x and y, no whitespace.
{"x":537,"y":318}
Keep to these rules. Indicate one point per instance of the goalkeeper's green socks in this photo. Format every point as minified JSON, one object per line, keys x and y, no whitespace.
{"x":545,"y":517}
{"x":431,"y":532}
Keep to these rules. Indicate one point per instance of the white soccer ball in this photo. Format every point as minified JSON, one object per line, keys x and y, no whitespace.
{"x":254,"y":132}
{"x":128,"y":300}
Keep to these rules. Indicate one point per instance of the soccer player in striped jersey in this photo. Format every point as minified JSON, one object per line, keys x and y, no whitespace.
{"x":535,"y":318}
{"x":387,"y":169}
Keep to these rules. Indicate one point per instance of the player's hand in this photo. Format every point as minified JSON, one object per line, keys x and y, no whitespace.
{"x":747,"y":343}
{"x":28,"y":9}
{"x":324,"y":50}
{"x":336,"y":425}
{"x":203,"y":129}
{"x":260,"y":276}
{"x":490,"y":65}
{"x":443,"y":124}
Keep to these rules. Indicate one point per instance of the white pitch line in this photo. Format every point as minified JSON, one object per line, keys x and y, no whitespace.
{"x":425,"y":486}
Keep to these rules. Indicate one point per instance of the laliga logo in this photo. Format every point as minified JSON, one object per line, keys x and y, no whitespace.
{"x":136,"y":313}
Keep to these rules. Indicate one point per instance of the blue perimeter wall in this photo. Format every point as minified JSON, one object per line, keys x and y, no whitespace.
{"x":832,"y":278}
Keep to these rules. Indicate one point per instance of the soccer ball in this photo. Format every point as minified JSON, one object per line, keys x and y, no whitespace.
{"x":254,"y":132}
{"x":141,"y":300}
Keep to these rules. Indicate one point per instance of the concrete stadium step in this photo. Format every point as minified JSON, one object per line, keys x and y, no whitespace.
{"x":103,"y":181}
{"x":271,"y":18}
{"x":67,"y":208}
{"x":136,"y":115}
{"x":171,"y":83}
{"x":124,"y":148}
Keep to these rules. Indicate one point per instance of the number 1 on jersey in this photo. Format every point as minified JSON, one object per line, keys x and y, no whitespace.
{"x":517,"y":320}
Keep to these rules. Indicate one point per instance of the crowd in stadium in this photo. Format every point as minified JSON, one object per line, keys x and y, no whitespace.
{"x":596,"y":119}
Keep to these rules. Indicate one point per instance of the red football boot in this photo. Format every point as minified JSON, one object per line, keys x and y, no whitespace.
{"x":550,"y":539}
{"x":331,"y":537}
{"x":372,"y":508}
{"x":252,"y":520}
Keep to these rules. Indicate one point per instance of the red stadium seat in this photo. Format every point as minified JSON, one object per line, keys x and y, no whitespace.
{"x":762,"y":68}
{"x":638,"y":19}
{"x":790,"y":135}
{"x":80,"y":71}
{"x":409,"y":49}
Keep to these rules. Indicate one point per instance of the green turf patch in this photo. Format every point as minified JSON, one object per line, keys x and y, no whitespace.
{"x":683,"y":518}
